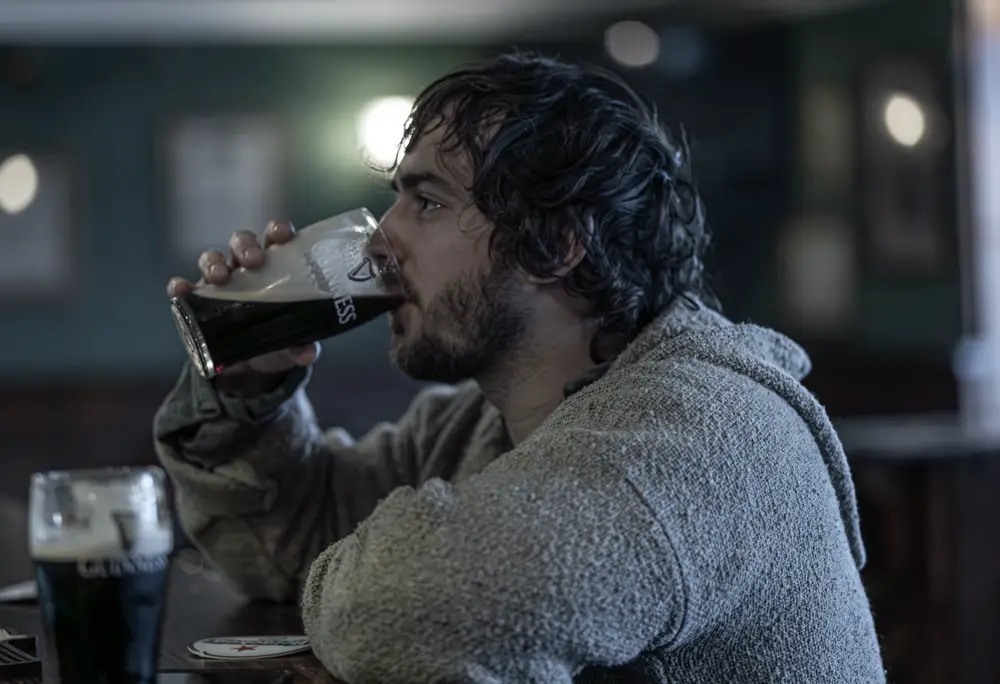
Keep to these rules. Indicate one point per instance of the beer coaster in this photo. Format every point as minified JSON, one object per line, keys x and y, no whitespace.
{"x":22,"y":591}
{"x":249,"y":647}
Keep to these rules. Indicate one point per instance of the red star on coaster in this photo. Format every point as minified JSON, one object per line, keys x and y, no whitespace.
{"x":245,"y":648}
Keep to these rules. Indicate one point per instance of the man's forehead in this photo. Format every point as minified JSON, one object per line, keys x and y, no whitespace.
{"x":428,"y":157}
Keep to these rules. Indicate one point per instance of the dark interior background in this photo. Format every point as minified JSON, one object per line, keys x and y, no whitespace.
{"x":763,"y":91}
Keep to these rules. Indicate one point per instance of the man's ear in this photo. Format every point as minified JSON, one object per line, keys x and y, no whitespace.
{"x":573,"y":254}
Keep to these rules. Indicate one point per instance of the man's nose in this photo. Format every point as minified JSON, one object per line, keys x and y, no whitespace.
{"x":379,"y":246}
{"x":388,"y":239}
{"x":382,"y":248}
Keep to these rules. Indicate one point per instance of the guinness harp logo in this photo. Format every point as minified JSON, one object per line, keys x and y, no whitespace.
{"x":363,"y":272}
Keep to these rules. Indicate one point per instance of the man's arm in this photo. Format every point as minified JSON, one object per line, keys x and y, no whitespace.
{"x":546,"y":563}
{"x":262,"y":491}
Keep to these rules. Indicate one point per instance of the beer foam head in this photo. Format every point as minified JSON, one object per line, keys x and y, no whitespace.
{"x":325,"y":260}
{"x":100,"y":519}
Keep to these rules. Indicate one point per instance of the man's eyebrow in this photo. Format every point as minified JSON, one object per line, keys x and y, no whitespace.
{"x":408,"y":181}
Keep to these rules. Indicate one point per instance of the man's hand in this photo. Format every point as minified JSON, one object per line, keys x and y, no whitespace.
{"x":245,"y":251}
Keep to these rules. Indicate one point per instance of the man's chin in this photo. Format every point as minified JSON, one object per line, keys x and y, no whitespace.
{"x":398,"y":340}
{"x":422,"y":364}
{"x":405,"y":365}
{"x":401,"y":354}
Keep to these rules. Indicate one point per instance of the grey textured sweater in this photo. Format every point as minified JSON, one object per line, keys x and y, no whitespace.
{"x":688,"y":517}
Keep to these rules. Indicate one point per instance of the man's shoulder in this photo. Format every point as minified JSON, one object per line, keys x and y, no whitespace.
{"x":681,"y":419}
{"x":440,"y":394}
{"x":457,"y":418}
{"x":676,"y":396}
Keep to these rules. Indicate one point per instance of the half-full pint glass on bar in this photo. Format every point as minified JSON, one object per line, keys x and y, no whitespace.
{"x":329,"y":279}
{"x":101,"y":542}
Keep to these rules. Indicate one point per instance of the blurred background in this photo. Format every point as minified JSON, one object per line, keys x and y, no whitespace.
{"x":848,"y":153}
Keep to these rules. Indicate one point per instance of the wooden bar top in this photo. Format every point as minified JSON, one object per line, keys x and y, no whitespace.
{"x":917,"y":437}
{"x":200,"y":605}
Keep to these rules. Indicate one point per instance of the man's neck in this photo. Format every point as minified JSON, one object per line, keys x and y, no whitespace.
{"x":529,"y":385}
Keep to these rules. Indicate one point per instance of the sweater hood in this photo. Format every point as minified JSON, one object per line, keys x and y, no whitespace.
{"x":690,"y":329}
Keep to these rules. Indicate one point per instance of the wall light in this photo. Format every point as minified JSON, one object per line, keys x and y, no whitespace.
{"x":905,"y":120}
{"x":632,"y":43}
{"x":18,"y":183}
{"x":380,"y":128}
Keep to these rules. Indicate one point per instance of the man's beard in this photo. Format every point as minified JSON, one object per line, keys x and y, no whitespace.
{"x":481,"y":323}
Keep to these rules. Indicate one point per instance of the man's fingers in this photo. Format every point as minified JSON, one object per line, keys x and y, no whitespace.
{"x":213,"y":267}
{"x":246,"y":250}
{"x":278,"y":232}
{"x":178,"y":287}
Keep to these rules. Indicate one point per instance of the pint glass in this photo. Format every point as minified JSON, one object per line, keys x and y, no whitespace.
{"x":101,"y":542}
{"x":332,"y":277}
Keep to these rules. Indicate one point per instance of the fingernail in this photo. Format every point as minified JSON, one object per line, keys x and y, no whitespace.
{"x":216,"y":270}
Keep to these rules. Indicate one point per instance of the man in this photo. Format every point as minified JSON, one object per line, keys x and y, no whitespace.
{"x":615,"y":483}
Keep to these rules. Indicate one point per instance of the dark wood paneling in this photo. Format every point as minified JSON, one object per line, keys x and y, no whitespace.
{"x":74,"y":427}
{"x":855,"y":383}
{"x":82,"y":424}
{"x":933,"y":572}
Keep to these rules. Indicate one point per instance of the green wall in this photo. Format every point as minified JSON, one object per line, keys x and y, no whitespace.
{"x":918,"y":316}
{"x":105,"y":109}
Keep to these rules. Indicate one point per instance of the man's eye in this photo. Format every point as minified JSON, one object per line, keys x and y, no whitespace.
{"x":427,"y":204}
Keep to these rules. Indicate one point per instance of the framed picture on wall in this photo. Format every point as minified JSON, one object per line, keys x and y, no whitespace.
{"x":38,"y":260}
{"x":906,"y":184}
{"x":818,"y":275}
{"x":224,"y":173}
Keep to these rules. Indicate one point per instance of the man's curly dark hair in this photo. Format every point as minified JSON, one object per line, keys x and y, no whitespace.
{"x":561,"y":153}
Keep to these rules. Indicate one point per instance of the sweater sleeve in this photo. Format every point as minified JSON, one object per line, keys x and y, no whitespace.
{"x":261,"y":490}
{"x":546,"y":563}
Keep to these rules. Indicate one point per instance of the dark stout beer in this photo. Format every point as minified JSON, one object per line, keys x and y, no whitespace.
{"x":103,"y":617}
{"x":334,"y":276}
{"x":219,"y":332}
{"x":101,"y":542}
